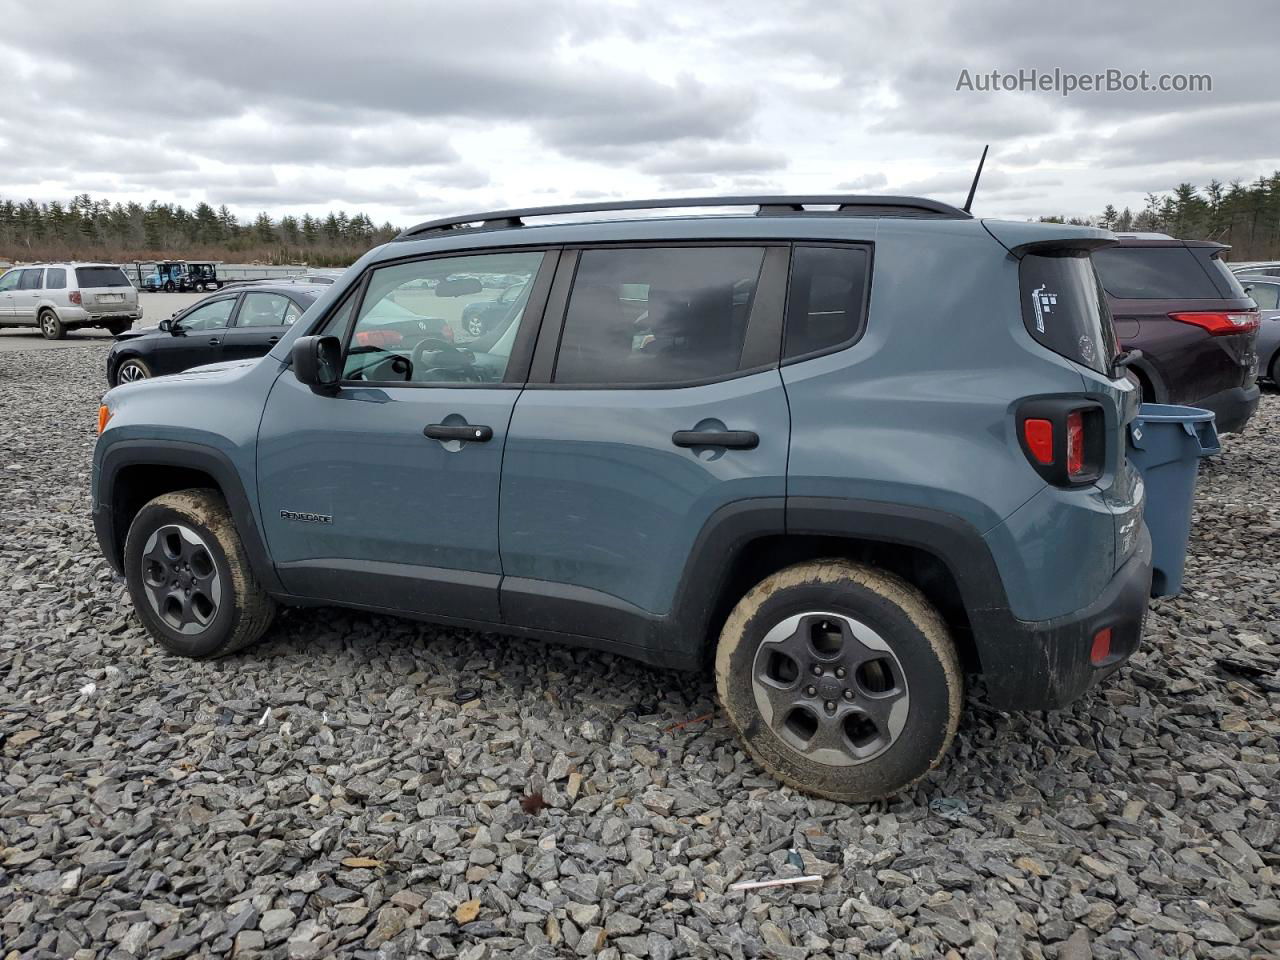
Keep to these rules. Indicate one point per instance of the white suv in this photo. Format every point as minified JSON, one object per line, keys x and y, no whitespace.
{"x":57,"y":297}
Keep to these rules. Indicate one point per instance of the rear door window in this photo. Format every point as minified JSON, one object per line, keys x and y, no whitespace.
{"x":658,"y":314}
{"x":1064,"y":308}
{"x":1154,"y":273}
{"x":267,"y":310}
{"x":92,"y":277}
{"x":55,"y":278}
{"x":826,"y":299}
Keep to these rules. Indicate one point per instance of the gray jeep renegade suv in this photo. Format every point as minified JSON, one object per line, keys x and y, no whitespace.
{"x":843,"y":455}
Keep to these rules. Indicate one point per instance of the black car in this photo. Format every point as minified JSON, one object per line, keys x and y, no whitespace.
{"x":482,"y":315}
{"x":233,"y":324}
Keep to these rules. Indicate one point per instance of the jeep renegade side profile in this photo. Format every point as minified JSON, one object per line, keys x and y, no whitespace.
{"x":845,"y":456}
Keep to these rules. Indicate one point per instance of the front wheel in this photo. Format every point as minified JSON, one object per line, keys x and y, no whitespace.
{"x":168,"y":287}
{"x":51,"y":327}
{"x":840,"y":679}
{"x":199,"y":288}
{"x":132,"y":370}
{"x":190,"y":579}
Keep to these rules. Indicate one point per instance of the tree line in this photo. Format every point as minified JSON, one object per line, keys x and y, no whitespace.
{"x":1246,"y":217}
{"x":89,"y":229}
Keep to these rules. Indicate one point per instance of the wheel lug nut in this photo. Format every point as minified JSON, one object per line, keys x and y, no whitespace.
{"x":840,"y":672}
{"x":831,"y":706}
{"x":810,"y":691}
{"x":816,"y":670}
{"x":848,"y":694}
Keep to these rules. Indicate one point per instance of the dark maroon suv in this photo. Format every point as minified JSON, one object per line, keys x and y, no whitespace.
{"x":1176,"y":301}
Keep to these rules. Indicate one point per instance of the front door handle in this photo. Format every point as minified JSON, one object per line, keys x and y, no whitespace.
{"x":733,"y":439}
{"x":471,"y":432}
{"x":214,"y":341}
{"x":273,"y":340}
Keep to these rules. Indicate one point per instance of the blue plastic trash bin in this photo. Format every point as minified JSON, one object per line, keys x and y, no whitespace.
{"x":1166,"y":443}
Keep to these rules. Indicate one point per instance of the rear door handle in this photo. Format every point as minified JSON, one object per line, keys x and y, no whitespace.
{"x":471,"y":432}
{"x":733,"y":439}
{"x":273,"y":339}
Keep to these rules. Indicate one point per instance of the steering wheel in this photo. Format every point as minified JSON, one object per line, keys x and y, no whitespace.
{"x":447,"y":356}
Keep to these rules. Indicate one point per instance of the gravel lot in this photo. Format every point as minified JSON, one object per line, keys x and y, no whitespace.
{"x":334,"y":791}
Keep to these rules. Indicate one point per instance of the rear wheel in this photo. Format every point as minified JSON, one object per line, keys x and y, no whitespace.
{"x":840,"y":679}
{"x":1275,"y":369}
{"x":189,"y":577}
{"x":50,"y":326}
{"x":475,"y":326}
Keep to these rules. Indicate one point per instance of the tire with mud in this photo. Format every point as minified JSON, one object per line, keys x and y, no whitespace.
{"x":840,"y":679}
{"x":190,"y":579}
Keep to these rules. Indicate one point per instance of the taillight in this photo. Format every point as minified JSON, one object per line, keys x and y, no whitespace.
{"x":1039,"y":437}
{"x":1220,"y":323}
{"x":1063,"y":438}
{"x":74,"y":297}
{"x":446,"y":333}
{"x":1075,"y":445}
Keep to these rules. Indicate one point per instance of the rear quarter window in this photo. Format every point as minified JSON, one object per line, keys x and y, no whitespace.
{"x":101,"y":277}
{"x":1156,"y":273}
{"x":826,"y":300}
{"x":1065,"y":310}
{"x":55,"y":278}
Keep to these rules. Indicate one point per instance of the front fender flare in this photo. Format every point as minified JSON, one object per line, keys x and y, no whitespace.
{"x":192,"y":456}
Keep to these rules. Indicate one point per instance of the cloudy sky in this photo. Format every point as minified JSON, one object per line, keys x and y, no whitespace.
{"x":417,"y":109}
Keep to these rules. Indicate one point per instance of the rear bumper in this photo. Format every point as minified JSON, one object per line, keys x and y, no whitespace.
{"x":1045,"y":665}
{"x":78,"y":316}
{"x":1232,"y":408}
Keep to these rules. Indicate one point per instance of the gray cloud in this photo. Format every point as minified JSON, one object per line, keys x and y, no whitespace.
{"x":701,"y":158}
{"x":409,"y":106}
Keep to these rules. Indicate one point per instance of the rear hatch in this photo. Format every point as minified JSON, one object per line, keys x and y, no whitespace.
{"x":1154,"y":283}
{"x":106,"y":289}
{"x":1065,"y":309}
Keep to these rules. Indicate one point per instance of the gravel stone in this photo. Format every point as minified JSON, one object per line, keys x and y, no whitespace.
{"x":146,"y":812}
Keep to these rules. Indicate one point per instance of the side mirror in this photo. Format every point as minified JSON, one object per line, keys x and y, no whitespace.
{"x":166,"y":325}
{"x":317,"y":362}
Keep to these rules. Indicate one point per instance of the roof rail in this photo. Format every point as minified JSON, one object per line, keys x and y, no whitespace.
{"x":870,"y":206}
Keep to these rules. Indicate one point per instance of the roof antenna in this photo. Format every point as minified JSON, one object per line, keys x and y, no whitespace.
{"x":974,"y":186}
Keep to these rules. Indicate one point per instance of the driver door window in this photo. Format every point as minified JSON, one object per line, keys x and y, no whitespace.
{"x":408,"y":328}
{"x":211,"y":316}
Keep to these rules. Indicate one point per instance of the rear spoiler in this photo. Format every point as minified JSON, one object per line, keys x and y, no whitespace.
{"x":1021,"y":239}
